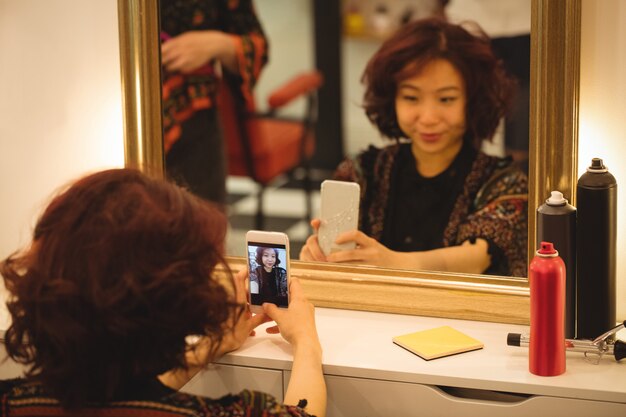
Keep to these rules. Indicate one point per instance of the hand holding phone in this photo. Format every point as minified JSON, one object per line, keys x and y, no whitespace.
{"x":297,"y":323}
{"x":268,"y":266}
{"x":339,"y":213}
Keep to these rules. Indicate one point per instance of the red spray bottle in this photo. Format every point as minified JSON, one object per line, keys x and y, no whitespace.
{"x":547,"y":312}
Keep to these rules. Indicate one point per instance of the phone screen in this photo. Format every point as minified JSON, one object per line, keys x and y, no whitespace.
{"x":268,"y":265}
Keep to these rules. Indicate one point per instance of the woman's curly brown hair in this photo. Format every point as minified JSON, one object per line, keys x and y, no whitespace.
{"x":120,"y":271}
{"x":489,"y":88}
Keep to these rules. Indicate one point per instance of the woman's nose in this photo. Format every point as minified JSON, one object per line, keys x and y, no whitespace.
{"x":427,"y":114}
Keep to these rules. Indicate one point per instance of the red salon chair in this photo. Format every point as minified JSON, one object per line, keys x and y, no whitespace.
{"x":266,"y":146}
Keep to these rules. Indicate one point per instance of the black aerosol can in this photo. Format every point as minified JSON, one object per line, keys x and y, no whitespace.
{"x":597,"y":222}
{"x":556,"y":223}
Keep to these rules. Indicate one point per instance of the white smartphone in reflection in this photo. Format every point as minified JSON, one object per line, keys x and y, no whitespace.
{"x":268,"y":267}
{"x":339,"y":212}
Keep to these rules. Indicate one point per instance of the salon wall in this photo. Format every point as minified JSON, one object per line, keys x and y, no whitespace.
{"x":60,"y":103}
{"x":603,"y":108}
{"x":288,"y":24}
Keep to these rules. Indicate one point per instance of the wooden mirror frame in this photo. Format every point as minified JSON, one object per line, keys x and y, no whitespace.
{"x":555,"y":65}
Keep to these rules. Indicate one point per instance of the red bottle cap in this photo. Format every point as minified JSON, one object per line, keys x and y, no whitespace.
{"x":547,"y":250}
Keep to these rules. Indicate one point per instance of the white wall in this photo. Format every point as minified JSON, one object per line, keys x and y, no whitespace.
{"x":603,"y":108}
{"x":60,"y":103}
{"x":288,"y":25}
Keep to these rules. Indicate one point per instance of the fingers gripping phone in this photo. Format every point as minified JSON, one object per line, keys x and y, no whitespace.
{"x":339,"y":213}
{"x":268,"y":266}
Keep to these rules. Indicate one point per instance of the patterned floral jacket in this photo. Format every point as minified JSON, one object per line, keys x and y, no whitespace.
{"x":184,"y":94}
{"x":492,"y":205}
{"x":22,"y":398}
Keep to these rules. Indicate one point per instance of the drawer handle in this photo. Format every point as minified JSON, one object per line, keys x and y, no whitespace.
{"x":483,"y":395}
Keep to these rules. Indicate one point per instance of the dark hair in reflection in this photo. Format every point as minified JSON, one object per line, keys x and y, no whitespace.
{"x":259,"y":255}
{"x":489,"y":89}
{"x":120,"y":271}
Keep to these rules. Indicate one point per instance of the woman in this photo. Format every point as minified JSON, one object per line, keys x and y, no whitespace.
{"x":434,"y":201}
{"x":272,"y":279}
{"x":120,"y":273}
{"x":198,"y":34}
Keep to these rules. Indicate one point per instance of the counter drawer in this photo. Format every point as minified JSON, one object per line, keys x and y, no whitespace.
{"x":349,"y":396}
{"x":220,"y":380}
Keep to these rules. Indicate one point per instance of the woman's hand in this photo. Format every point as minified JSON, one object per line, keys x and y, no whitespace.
{"x":311,"y":250}
{"x":191,"y":50}
{"x":297,"y":326}
{"x":472,"y":258}
{"x":368,"y":251}
{"x":296,"y":323}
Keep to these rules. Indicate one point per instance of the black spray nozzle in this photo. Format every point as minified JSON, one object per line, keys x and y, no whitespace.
{"x":596,"y":163}
{"x":619,"y":350}
{"x":513,"y":339}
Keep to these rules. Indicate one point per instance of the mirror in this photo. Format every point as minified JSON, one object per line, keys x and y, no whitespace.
{"x":291,"y":50}
{"x":555,"y":44}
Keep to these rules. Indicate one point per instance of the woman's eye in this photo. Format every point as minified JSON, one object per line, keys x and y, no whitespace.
{"x":448,"y":99}
{"x":408,"y":97}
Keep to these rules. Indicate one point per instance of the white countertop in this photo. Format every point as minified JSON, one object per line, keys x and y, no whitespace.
{"x":358,"y":344}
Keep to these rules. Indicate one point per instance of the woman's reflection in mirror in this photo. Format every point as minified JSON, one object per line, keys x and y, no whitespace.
{"x":432,"y":200}
{"x":197,"y":35}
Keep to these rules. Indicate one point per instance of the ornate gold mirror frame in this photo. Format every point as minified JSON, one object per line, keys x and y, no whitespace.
{"x":555,"y":61}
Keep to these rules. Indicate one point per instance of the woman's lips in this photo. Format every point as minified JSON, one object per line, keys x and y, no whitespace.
{"x":430,"y":137}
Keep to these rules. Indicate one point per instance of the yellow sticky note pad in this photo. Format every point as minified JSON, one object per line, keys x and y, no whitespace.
{"x":438,"y":342}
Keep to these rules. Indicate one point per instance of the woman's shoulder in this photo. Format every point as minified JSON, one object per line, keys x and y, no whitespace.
{"x":374,"y":153}
{"x":366,"y":162}
{"x":497,"y":162}
{"x":502,"y":177}
{"x":505,"y":169}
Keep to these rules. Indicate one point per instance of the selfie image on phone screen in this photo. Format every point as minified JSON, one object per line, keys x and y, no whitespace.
{"x":268,"y":273}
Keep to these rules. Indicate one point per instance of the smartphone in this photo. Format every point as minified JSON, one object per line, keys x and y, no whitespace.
{"x":268,"y":267}
{"x":339,"y":212}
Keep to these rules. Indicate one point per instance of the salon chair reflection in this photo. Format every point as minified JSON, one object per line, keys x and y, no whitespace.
{"x":265,"y":146}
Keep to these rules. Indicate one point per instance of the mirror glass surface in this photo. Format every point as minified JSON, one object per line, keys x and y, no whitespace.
{"x":554,"y":103}
{"x":289,"y":26}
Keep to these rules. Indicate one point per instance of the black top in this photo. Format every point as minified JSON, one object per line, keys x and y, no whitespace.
{"x":267,"y":281}
{"x":419,"y":208}
{"x":272,"y":287}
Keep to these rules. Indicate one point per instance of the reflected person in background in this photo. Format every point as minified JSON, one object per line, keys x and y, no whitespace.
{"x":433,"y":200}
{"x":197,"y":35}
{"x":120,"y":273}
